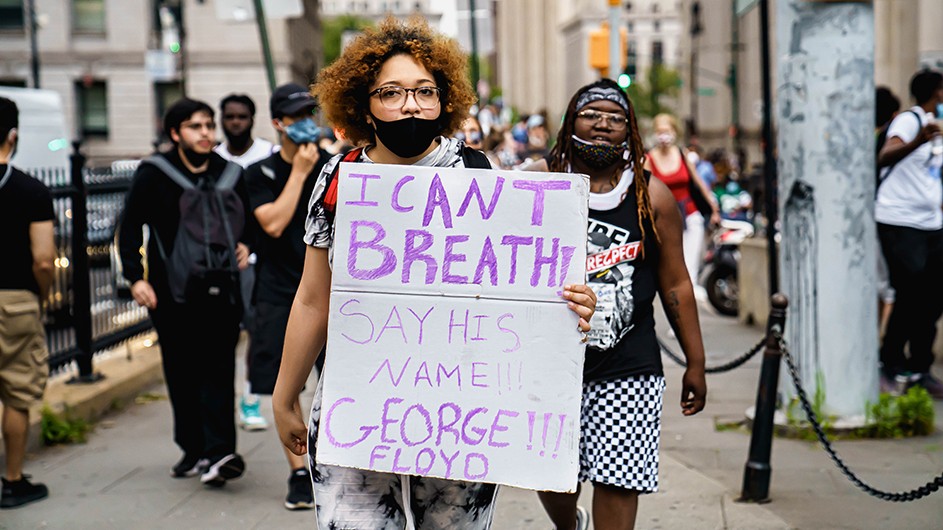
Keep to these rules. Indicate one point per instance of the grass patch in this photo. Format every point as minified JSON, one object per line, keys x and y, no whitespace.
{"x":908,"y":415}
{"x":149,"y":397}
{"x":63,"y":428}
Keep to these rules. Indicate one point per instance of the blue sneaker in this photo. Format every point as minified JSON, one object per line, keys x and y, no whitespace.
{"x":250,"y":418}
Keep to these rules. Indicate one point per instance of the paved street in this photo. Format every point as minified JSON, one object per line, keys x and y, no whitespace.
{"x":119,"y":479}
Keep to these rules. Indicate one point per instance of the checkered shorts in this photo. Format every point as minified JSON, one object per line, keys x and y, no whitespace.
{"x":620,"y":424}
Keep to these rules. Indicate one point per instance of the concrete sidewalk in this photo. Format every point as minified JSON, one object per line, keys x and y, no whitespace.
{"x":119,"y":479}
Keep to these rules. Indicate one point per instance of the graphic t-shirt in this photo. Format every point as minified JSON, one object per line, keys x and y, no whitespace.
{"x":622,"y":341}
{"x":23,"y":201}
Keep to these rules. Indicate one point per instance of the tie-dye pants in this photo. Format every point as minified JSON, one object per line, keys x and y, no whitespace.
{"x":357,"y":499}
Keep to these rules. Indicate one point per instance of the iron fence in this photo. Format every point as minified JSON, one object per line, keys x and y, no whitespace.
{"x":89,"y":308}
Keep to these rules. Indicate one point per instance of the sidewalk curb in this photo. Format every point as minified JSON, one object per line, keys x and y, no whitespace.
{"x":128,"y":370}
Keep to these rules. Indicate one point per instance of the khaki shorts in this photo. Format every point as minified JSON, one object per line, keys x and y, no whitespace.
{"x":24,"y":358}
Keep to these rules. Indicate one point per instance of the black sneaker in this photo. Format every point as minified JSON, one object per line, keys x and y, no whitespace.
{"x":189,"y":466}
{"x":300,"y":495}
{"x":20,"y":492}
{"x":226,"y":468}
{"x":933,"y":385}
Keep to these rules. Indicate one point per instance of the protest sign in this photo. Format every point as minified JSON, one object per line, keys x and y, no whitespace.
{"x":451,"y":351}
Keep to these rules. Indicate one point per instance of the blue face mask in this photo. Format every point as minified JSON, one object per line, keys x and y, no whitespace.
{"x":939,"y":110}
{"x":303,"y":132}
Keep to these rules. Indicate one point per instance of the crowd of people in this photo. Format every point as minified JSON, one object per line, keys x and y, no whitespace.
{"x":241,"y":236}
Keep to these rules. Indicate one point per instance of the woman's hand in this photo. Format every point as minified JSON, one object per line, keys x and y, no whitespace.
{"x":291,"y":426}
{"x":582,"y":301}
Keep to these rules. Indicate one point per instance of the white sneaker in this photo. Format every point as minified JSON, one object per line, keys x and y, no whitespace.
{"x":250,"y":419}
{"x":226,"y":468}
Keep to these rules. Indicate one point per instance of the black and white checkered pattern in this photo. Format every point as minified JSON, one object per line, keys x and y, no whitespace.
{"x":620,"y":424}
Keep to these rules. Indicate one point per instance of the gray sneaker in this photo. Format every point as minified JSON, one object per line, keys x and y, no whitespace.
{"x":582,"y":518}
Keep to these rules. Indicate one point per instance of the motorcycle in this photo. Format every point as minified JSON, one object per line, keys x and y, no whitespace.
{"x":719,"y":272}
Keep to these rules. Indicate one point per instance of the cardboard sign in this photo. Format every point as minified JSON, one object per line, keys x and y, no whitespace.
{"x":452,"y":352}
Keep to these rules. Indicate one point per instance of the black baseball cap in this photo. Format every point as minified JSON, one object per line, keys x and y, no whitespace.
{"x":291,"y":98}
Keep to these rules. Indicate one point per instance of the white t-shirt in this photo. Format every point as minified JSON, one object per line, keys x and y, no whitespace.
{"x":911,"y":194}
{"x":260,"y":150}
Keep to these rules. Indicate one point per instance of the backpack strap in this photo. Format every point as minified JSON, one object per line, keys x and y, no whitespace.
{"x":330,"y":194}
{"x":890,"y":167}
{"x":168,"y":169}
{"x":229,"y":177}
{"x":474,"y":159}
{"x":6,"y":174}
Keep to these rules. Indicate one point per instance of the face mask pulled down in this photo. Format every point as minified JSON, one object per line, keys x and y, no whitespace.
{"x":303,"y":132}
{"x":408,"y":137}
{"x":598,"y":156}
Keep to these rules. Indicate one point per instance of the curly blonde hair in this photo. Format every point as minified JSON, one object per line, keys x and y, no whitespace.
{"x":342,"y":88}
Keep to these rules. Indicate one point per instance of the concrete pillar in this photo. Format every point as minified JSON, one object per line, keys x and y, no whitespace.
{"x":825,"y":119}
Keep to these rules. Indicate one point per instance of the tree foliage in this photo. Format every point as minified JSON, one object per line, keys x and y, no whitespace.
{"x":647,"y":94}
{"x":332,"y":33}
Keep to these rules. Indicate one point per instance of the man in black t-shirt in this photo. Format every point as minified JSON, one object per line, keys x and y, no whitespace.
{"x":26,"y":272}
{"x":197,"y":338}
{"x":279,"y":189}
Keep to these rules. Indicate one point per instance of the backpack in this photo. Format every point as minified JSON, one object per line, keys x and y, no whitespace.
{"x":471,"y":158}
{"x":879,"y":144}
{"x":202,"y":267}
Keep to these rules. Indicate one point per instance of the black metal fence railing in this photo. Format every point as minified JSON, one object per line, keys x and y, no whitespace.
{"x":89,"y":308}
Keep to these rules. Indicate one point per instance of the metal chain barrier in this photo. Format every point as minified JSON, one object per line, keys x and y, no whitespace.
{"x":726,"y":367}
{"x":912,"y":495}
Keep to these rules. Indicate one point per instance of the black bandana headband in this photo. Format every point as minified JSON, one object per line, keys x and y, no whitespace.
{"x":600,"y":93}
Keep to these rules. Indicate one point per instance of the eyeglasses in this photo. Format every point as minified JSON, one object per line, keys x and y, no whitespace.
{"x":616,"y":121}
{"x":394,"y":97}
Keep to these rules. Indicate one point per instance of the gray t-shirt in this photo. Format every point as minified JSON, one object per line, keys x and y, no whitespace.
{"x":319,"y":231}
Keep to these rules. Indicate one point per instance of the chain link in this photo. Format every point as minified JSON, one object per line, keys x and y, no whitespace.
{"x":726,"y":367}
{"x":912,"y":495}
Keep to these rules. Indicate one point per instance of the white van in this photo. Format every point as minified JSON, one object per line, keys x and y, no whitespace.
{"x":43,"y":142}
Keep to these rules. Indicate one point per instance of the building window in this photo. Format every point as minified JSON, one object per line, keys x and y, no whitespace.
{"x":654,"y":7}
{"x":9,"y":81}
{"x":12,"y":15}
{"x":88,"y":16}
{"x":165,"y":94}
{"x":658,"y":52}
{"x":92,"y":106}
{"x":656,"y":26}
{"x":630,"y":26}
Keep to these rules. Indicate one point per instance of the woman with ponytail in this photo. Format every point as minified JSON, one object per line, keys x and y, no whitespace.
{"x":634,"y":251}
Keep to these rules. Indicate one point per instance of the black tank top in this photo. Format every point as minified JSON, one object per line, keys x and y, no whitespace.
{"x":622,"y":342}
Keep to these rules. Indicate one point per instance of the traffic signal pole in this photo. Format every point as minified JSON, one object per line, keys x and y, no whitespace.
{"x":615,"y":53}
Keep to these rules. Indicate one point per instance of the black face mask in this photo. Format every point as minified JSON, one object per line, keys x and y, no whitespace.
{"x":195,"y":159}
{"x":407,"y":137}
{"x":239,"y":141}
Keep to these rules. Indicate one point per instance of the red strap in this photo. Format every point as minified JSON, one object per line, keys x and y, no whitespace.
{"x":330,"y":196}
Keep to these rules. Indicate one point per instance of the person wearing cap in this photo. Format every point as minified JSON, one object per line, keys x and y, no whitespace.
{"x":279,"y":188}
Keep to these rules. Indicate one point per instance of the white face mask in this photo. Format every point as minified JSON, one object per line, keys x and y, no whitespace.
{"x":665,"y":138}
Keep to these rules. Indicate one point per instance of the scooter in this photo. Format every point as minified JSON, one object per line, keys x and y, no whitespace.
{"x":719,"y":273}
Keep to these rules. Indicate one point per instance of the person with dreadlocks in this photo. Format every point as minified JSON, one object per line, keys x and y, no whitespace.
{"x":633,"y":251}
{"x":399,"y":90}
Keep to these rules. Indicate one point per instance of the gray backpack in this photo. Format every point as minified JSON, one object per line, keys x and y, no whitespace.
{"x":202,"y":268}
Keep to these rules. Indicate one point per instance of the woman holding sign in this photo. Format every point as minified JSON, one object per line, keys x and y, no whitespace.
{"x":634,"y":251}
{"x":399,"y":90}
